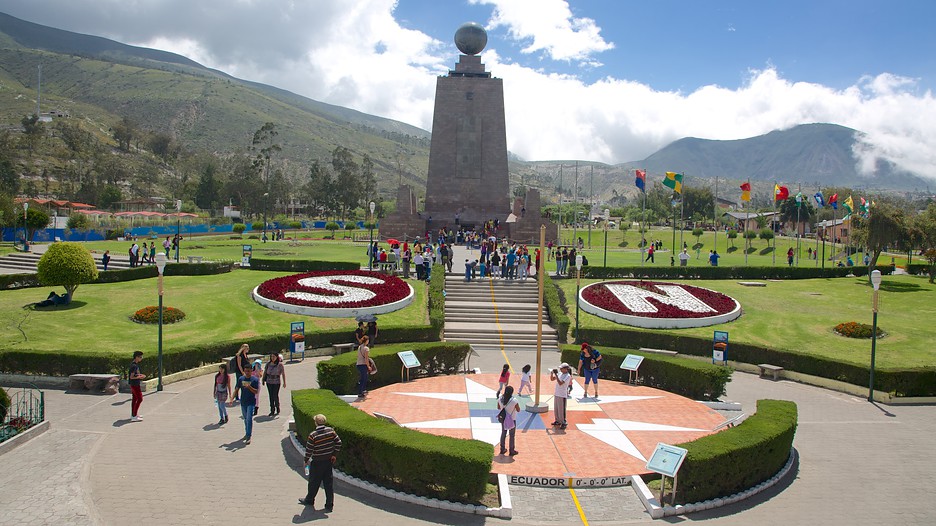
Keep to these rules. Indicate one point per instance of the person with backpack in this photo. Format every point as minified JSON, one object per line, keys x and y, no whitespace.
{"x":510,"y":409}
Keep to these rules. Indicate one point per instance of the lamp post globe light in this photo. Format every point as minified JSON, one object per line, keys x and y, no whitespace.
{"x":876,"y":283}
{"x":160,"y":266}
{"x":578,"y":281}
{"x":607,"y":219}
{"x":370,"y":248}
{"x":25,"y":227}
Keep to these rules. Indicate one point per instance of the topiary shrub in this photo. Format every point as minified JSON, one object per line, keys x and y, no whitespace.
{"x":331,"y":226}
{"x":78,"y":222}
{"x":295,"y":225}
{"x":68,"y":265}
{"x":150,"y":315}
{"x":853,"y":329}
{"x":239,"y":228}
{"x":257,"y":225}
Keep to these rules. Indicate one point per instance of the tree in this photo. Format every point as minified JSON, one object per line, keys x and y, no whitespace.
{"x":33,"y":131}
{"x":348,"y":184}
{"x":331,"y":226}
{"x":9,"y":180}
{"x":788,"y":211}
{"x":886,"y":226}
{"x":206,"y":195}
{"x":68,"y":265}
{"x":697,"y":201}
{"x":124,"y":132}
{"x":697,"y":233}
{"x":732,"y":235}
{"x":766,"y":234}
{"x":36,"y":219}
{"x":78,"y":222}
{"x":239,"y":229}
{"x":163,"y":145}
{"x":109,"y":196}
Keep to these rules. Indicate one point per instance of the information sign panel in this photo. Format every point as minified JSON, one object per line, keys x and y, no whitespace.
{"x":632,"y":362}
{"x":666,"y":459}
{"x":720,"y":347}
{"x":409,"y":359}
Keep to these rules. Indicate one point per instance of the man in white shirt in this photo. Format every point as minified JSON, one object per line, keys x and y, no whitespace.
{"x":563,"y":378}
{"x":683,"y":258}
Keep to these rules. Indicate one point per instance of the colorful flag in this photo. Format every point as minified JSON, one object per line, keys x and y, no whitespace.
{"x":799,"y":199}
{"x":864,"y":208}
{"x":674,"y":181}
{"x":746,"y":192}
{"x":819,"y":199}
{"x":781,"y":193}
{"x":833,"y":200}
{"x":641,"y":180}
{"x":849,"y":206}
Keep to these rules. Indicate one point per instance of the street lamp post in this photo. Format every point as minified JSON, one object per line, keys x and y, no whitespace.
{"x":876,"y":283}
{"x":578,"y":282}
{"x":25,"y":227}
{"x":160,"y":266}
{"x":178,"y":232}
{"x":370,"y":247}
{"x":607,"y":218}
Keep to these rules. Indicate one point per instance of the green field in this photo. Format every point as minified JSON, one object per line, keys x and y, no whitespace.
{"x":218,"y":308}
{"x":798,"y":315}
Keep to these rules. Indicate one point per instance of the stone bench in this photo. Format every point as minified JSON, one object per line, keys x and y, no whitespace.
{"x":774,"y":370}
{"x":343,"y":347}
{"x":658,"y":351}
{"x":97,"y":383}
{"x":195,"y":259}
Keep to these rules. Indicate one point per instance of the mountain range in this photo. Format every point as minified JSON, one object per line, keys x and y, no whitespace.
{"x":102,"y":81}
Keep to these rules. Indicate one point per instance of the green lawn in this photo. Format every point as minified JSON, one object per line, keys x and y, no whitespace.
{"x":223,"y":248}
{"x":623,"y":249}
{"x":218,"y":308}
{"x":799,"y":315}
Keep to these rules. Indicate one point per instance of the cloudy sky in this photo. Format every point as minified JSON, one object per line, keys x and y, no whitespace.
{"x":605,"y":80}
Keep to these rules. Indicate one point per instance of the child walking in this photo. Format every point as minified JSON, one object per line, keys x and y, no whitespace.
{"x":525,"y":380}
{"x":504,"y":379}
{"x":222,"y":392}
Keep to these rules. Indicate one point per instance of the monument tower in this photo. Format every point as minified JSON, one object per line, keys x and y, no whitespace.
{"x":468,"y":179}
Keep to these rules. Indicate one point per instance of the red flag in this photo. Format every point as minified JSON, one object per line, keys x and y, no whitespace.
{"x":781,"y":193}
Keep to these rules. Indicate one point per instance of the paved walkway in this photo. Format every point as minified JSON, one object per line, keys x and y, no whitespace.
{"x":859,"y":464}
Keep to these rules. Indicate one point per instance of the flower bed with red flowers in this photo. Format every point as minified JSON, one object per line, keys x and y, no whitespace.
{"x":682,"y":302}
{"x":340,"y":289}
{"x":150,"y":315}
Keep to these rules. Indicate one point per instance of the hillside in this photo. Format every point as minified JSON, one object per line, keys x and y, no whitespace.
{"x":102,"y":81}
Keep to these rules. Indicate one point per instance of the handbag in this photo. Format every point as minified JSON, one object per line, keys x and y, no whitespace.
{"x":502,"y":415}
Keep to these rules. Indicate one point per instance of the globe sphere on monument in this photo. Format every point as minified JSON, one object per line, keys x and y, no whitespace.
{"x":470,"y":38}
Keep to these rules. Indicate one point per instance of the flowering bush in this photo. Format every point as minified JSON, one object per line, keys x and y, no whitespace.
{"x":20,"y":423}
{"x":151,"y":315}
{"x":336,"y":289}
{"x":658,"y":300}
{"x":854,"y":329}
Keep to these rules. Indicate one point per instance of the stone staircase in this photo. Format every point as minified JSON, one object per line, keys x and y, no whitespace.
{"x":25,"y":262}
{"x":489,"y":314}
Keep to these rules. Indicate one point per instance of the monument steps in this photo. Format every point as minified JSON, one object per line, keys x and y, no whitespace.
{"x":27,"y":262}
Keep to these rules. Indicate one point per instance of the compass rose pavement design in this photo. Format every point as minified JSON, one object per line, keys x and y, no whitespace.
{"x":612,"y":435}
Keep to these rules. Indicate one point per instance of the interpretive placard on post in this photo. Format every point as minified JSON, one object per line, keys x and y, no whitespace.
{"x":666,"y":459}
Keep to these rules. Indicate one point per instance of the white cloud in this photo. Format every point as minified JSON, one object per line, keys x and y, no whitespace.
{"x":549,"y":26}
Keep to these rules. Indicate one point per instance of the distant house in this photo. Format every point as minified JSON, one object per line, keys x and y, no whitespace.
{"x":748,"y":220}
{"x":834,"y":230}
{"x":145,"y":204}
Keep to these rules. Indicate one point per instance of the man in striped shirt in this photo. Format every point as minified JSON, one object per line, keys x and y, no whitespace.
{"x":321,"y":447}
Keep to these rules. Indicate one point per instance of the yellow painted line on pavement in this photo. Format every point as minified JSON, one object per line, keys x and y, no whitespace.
{"x":578,"y":505}
{"x":500,"y":331}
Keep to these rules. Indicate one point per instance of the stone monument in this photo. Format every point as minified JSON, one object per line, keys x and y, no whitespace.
{"x":468,"y":180}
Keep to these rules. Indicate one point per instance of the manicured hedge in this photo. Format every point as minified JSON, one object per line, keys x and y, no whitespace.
{"x":740,"y":457}
{"x":340,"y":375}
{"x":555,"y":304}
{"x":175,"y":359}
{"x":301,"y":265}
{"x":919,"y":381}
{"x":705,"y":272}
{"x":437,"y":298}
{"x":918,"y":269}
{"x":683,"y":376}
{"x":22,"y":281}
{"x":397,"y":457}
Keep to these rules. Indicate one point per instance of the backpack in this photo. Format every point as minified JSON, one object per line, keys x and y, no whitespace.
{"x":232,"y":366}
{"x":502,"y":415}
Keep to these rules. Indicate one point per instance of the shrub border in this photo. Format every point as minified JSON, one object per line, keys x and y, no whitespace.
{"x":301,"y":265}
{"x":378,"y":451}
{"x":899,"y":382}
{"x":704,"y":272}
{"x":23,"y":281}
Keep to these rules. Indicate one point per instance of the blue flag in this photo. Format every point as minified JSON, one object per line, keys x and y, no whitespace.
{"x":640,"y":179}
{"x":819,"y":199}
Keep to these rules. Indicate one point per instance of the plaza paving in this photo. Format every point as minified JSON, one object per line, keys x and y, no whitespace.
{"x":859,"y":464}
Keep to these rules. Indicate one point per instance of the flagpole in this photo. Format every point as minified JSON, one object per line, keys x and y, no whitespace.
{"x":682,"y":219}
{"x":575,"y":210}
{"x":771,"y":224}
{"x":559,"y":230}
{"x":715,"y":216}
{"x":747,"y":220}
{"x":643,"y":235}
{"x":591,"y":202}
{"x":819,"y":191}
{"x":799,"y":204}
